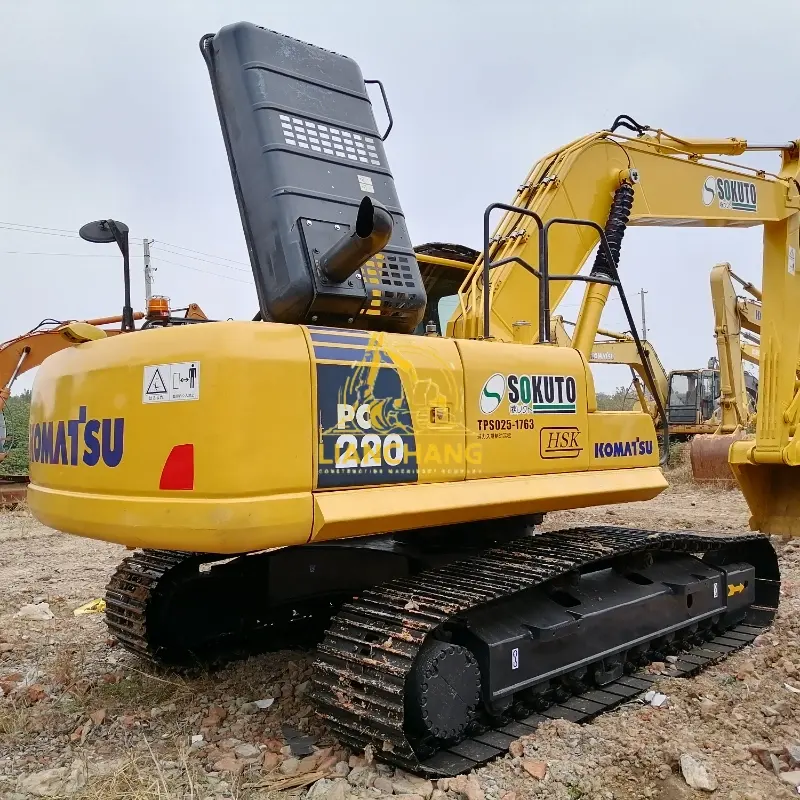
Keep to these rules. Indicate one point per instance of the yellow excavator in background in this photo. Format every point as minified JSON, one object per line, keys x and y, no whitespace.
{"x":621,"y":349}
{"x":737,"y":321}
{"x":380,"y":489}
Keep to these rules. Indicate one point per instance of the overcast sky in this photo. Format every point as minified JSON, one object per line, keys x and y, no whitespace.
{"x":107,"y":112}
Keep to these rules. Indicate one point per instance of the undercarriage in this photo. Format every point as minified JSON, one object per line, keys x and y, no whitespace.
{"x":440,"y":648}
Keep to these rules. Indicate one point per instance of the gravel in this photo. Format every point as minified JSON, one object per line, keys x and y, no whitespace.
{"x":81,"y":718}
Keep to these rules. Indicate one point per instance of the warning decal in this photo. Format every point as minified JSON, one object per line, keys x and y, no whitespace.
{"x":169,"y":383}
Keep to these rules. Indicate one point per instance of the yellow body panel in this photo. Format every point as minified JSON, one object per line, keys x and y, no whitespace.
{"x":300,"y":434}
{"x":250,"y":486}
{"x":510,"y":435}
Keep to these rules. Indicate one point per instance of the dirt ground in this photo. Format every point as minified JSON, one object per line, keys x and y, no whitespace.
{"x":81,"y":718}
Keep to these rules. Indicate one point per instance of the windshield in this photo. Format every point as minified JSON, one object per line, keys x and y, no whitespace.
{"x":447,"y":305}
{"x":683,"y":389}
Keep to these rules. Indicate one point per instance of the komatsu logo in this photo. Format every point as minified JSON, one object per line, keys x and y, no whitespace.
{"x":731,"y":195}
{"x":635,"y":447}
{"x":81,"y":439}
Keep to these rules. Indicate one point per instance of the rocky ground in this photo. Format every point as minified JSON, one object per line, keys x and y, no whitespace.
{"x":81,"y":718}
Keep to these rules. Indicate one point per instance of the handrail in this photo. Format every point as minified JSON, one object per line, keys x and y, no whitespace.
{"x":543,"y":276}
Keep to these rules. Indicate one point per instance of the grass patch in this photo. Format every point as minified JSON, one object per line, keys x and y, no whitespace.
{"x":679,"y":466}
{"x":142,"y":778}
{"x":137,"y":690}
{"x":14,"y":718}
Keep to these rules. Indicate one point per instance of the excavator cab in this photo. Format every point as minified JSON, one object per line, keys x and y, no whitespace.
{"x":693,"y":395}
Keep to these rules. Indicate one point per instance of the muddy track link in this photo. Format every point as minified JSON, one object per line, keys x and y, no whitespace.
{"x":360,"y":683}
{"x":130,"y":590}
{"x":162,"y":607}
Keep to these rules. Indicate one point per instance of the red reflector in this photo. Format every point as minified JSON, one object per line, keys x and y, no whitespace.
{"x":178,"y":472}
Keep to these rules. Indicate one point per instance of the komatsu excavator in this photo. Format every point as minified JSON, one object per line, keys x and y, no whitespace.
{"x":323,"y":468}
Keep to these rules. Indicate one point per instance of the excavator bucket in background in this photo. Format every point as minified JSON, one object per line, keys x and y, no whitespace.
{"x":708,"y":454}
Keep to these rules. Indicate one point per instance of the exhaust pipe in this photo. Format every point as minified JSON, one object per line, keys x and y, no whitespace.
{"x":372,"y":233}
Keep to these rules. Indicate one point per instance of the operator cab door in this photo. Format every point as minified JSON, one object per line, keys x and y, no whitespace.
{"x":684,"y":398}
{"x":709,"y":394}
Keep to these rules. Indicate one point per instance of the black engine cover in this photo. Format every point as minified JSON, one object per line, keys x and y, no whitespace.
{"x":304,"y":150}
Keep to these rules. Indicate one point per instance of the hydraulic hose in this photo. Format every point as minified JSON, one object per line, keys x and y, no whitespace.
{"x":618,"y":219}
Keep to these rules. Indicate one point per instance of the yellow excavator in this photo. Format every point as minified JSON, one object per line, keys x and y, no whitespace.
{"x":664,"y":388}
{"x":737,"y":320}
{"x":322,"y":472}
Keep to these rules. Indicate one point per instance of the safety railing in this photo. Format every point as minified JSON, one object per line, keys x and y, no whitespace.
{"x":543,"y":276}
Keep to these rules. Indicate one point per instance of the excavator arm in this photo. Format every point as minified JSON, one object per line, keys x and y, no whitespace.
{"x":732,"y":314}
{"x":657,"y":181}
{"x":614,"y":180}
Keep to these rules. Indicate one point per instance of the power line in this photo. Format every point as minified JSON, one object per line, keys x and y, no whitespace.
{"x":39,"y":233}
{"x":43,"y":230}
{"x":200,"y":252}
{"x":39,"y":227}
{"x":197,"y":269}
{"x":205,"y":260}
{"x":71,"y":255}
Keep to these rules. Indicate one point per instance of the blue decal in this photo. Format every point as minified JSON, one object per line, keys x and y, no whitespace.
{"x":366,"y":434}
{"x":338,"y":338}
{"x":59,"y":442}
{"x":635,"y":447}
{"x":351,"y":354}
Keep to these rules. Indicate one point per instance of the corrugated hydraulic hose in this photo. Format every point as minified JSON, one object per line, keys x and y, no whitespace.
{"x":617,"y":221}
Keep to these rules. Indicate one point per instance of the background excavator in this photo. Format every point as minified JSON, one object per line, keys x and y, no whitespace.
{"x":737,"y":323}
{"x":710,"y":407}
{"x":381,"y":489}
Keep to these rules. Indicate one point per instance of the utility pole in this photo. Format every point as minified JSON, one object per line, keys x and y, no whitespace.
{"x":148,"y":271}
{"x":642,"y":292}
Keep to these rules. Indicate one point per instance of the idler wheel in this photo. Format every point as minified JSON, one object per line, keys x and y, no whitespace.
{"x":444,"y":690}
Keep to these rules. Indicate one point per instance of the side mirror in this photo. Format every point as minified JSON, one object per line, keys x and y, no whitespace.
{"x":105,"y":231}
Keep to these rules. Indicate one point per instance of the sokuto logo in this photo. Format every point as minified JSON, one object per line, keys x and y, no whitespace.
{"x":492,"y":394}
{"x":730,"y":195}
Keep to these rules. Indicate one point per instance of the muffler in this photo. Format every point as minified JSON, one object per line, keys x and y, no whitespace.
{"x":372,"y":233}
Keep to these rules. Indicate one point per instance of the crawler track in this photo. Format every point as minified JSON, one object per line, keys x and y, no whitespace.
{"x":163,"y":607}
{"x":361,"y":676}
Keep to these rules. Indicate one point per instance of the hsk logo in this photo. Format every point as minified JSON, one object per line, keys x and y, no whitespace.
{"x":731,"y":195}
{"x":66,"y":441}
{"x":529,"y":394}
